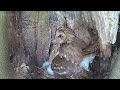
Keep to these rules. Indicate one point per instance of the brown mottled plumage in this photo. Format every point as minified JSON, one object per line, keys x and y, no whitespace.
{"x":71,"y":49}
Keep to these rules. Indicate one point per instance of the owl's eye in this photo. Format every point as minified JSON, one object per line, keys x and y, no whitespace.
{"x":60,"y":36}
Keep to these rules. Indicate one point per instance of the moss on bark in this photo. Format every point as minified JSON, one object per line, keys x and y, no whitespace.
{"x":5,"y":69}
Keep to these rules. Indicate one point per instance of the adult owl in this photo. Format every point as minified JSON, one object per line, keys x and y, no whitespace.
{"x":69,"y":54}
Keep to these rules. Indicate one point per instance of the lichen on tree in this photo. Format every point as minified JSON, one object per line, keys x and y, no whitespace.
{"x":6,"y":71}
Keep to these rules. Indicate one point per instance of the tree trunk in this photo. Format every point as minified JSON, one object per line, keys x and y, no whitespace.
{"x":5,"y":67}
{"x":32,"y":32}
{"x":29,"y":41}
{"x":35,"y":34}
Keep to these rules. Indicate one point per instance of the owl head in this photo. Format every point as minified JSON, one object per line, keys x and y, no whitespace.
{"x":63,"y":35}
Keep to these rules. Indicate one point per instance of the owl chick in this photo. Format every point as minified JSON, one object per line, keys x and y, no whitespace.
{"x":46,"y":65}
{"x":86,"y":61}
{"x":67,"y":45}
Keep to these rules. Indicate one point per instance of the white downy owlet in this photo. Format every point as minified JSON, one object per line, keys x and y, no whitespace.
{"x":86,"y":62}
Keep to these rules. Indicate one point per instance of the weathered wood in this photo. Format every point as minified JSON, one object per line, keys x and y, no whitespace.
{"x":28,"y":39}
{"x":106,"y":22}
{"x":13,"y":32}
{"x":35,"y":34}
{"x":5,"y":67}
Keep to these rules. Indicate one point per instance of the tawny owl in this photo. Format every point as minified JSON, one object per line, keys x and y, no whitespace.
{"x":69,"y":52}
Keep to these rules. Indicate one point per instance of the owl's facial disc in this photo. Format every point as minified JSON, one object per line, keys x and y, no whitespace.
{"x":59,"y":37}
{"x":60,"y":34}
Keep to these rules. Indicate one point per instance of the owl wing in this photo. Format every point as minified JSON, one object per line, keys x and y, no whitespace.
{"x":71,"y":53}
{"x":54,"y":52}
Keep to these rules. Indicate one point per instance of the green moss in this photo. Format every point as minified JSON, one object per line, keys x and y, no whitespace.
{"x":61,"y":15}
{"x":5,"y":71}
{"x":43,"y":20}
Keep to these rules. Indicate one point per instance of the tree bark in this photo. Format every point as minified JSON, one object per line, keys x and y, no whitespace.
{"x":35,"y":33}
{"x":6,"y":71}
{"x":29,"y":40}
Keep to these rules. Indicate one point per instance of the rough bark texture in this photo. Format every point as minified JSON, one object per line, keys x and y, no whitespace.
{"x":107,"y":26}
{"x":29,"y":40}
{"x":5,"y":67}
{"x":35,"y":34}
